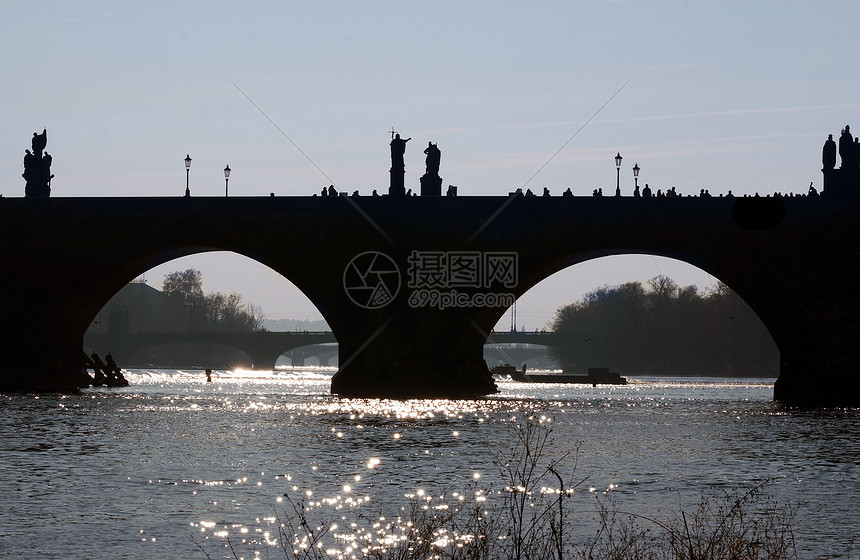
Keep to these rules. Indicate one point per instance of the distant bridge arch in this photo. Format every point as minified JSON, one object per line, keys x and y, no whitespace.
{"x":264,"y":347}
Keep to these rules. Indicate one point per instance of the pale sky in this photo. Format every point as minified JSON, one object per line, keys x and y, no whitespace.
{"x":294,"y":96}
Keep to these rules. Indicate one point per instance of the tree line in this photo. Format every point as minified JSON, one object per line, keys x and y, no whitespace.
{"x":660,"y":328}
{"x":212,"y":312}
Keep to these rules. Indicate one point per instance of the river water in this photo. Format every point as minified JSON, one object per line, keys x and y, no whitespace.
{"x":171,"y":463}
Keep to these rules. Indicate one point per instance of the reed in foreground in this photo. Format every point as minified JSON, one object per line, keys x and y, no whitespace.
{"x":528,"y":514}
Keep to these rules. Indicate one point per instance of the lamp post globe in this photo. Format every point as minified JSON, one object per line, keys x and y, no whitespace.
{"x":226,"y":179}
{"x":636,"y":174}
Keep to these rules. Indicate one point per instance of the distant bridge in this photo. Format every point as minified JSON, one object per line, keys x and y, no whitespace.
{"x":263,"y":347}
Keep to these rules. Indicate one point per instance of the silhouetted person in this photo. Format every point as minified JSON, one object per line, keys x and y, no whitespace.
{"x":636,"y":192}
{"x":324,"y":192}
{"x":646,"y":191}
{"x":434,"y":156}
{"x":828,"y":153}
{"x":332,"y":191}
{"x":567,"y":192}
{"x":375,"y":193}
{"x":846,"y":147}
{"x":208,"y":375}
{"x":545,"y":191}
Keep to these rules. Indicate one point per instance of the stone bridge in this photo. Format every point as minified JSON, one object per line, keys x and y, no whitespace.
{"x":263,"y":348}
{"x":398,"y":278}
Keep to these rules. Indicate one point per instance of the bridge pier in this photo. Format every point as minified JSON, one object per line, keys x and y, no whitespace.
{"x":819,"y":367}
{"x":414,"y":355}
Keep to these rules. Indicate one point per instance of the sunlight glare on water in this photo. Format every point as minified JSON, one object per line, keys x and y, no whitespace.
{"x":141,"y":471}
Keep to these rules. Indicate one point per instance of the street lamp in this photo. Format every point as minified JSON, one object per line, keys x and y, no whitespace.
{"x":226,"y":179}
{"x":636,"y":174}
{"x":187,"y":173}
{"x":618,"y":159}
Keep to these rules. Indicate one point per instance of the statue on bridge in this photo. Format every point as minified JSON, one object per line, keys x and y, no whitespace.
{"x":398,"y":167}
{"x":37,"y":168}
{"x":846,"y":148}
{"x":431,"y":183}
{"x":828,"y":154}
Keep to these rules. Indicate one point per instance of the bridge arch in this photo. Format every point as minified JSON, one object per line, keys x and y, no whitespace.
{"x":723,"y":325}
{"x":154,"y":323}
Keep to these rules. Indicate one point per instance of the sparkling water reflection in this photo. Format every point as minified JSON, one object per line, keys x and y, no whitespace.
{"x":139,"y":472}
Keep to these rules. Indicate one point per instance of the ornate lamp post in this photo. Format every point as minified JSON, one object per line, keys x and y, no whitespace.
{"x":187,"y":173}
{"x":636,"y":175}
{"x":226,"y":179}
{"x":618,"y":159}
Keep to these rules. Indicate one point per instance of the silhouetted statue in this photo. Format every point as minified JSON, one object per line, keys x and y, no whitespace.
{"x":398,"y":168}
{"x":433,"y":158}
{"x":846,"y":147}
{"x":37,"y":168}
{"x":431,"y":182}
{"x":855,"y":154}
{"x":398,"y":149}
{"x":828,"y":153}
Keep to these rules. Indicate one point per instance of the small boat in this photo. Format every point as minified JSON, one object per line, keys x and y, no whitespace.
{"x":504,"y":370}
{"x":595,"y":376}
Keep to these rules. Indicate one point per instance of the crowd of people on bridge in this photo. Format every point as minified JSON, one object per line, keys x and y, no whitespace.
{"x":105,"y":373}
{"x":848,"y":149}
